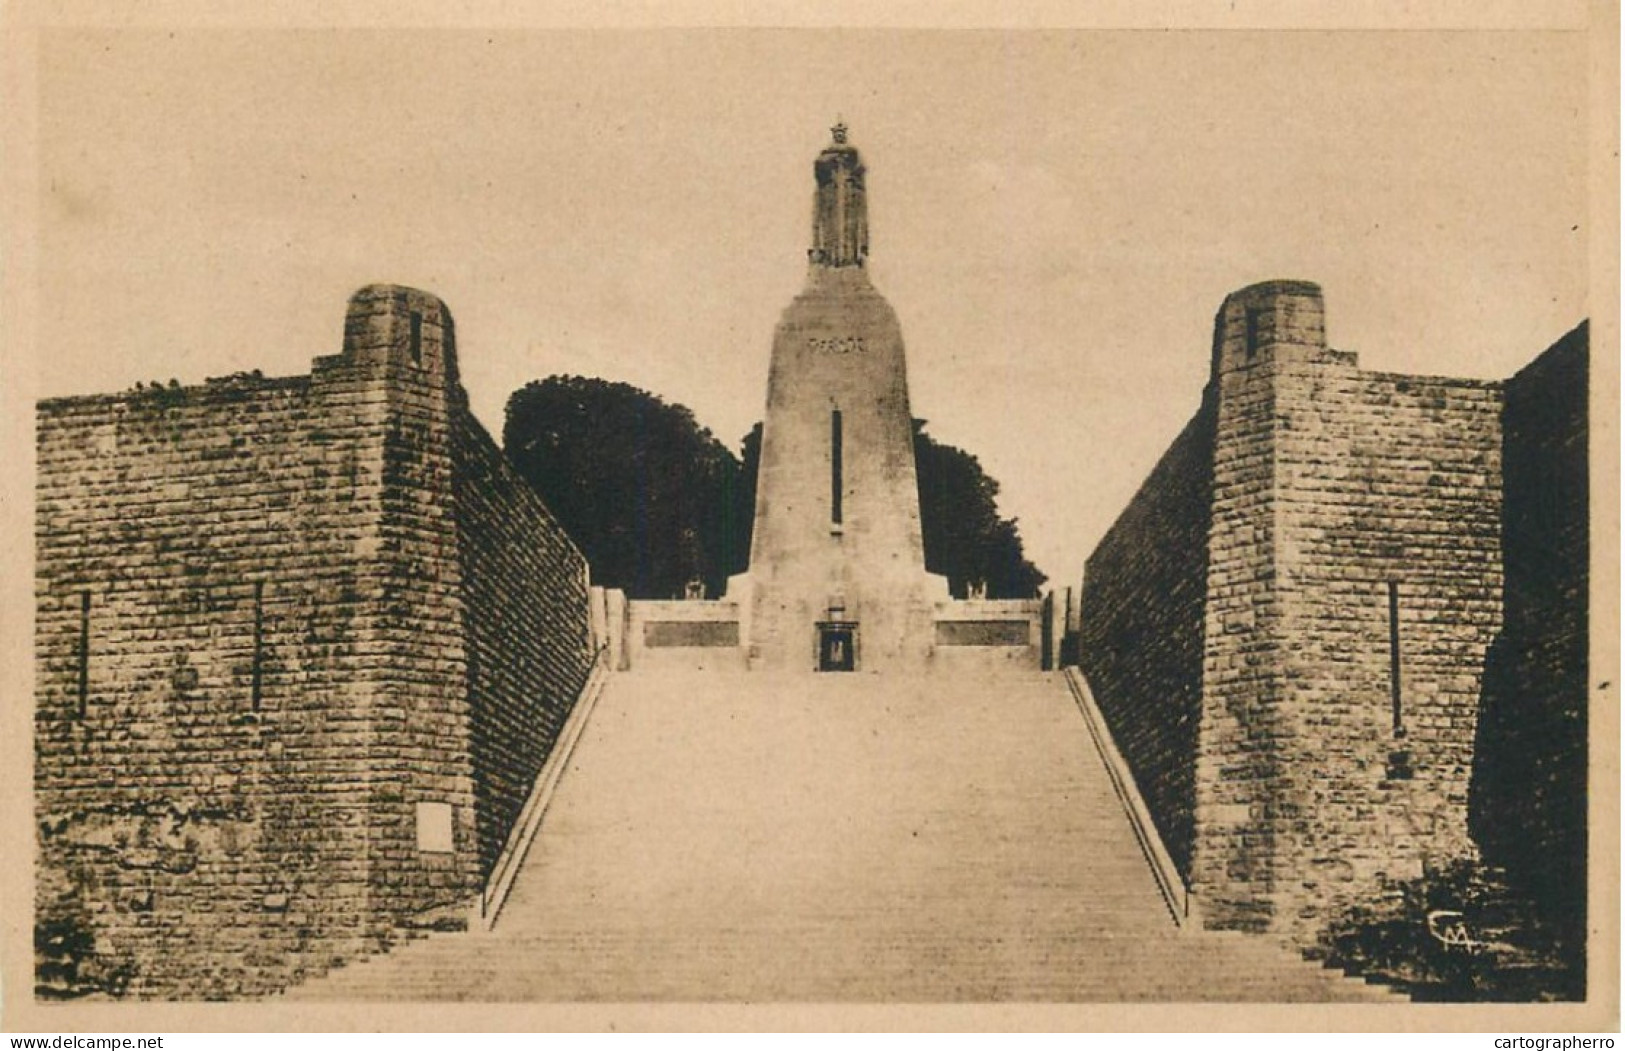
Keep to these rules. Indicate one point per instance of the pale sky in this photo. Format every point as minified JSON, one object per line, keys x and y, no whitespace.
{"x":1055,"y":216}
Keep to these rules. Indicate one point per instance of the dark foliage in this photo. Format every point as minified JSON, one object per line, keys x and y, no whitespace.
{"x":649,"y":495}
{"x":1513,"y":955}
{"x":655,"y":501}
{"x":750,"y":447}
{"x":965,"y":538}
{"x":66,"y":964}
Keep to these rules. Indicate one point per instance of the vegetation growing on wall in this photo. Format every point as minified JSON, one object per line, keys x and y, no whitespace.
{"x":1458,"y":934}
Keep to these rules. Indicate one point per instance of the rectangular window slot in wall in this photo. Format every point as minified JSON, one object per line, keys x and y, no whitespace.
{"x":416,"y":345}
{"x":1399,"y":757}
{"x":1394,"y":682}
{"x":257,"y":680}
{"x":835,"y":454}
{"x":84,"y":653}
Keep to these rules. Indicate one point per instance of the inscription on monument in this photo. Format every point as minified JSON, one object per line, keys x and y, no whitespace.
{"x":837,"y":345}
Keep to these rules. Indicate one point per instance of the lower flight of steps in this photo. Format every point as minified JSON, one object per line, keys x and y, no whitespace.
{"x":735,"y":836}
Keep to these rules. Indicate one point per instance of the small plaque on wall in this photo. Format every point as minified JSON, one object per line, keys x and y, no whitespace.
{"x":983,"y":633}
{"x":434,"y":828}
{"x":659,"y":633}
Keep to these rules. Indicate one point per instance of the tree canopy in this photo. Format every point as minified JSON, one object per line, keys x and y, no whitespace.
{"x":966,"y":539}
{"x":655,"y":501}
{"x":647,"y":493}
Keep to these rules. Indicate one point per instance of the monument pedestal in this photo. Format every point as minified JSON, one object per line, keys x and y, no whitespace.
{"x":837,"y":538}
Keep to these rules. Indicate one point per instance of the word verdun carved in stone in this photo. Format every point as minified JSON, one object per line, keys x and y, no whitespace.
{"x":842,"y":345}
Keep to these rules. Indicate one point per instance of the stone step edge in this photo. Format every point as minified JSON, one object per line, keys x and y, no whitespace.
{"x":488,"y":905}
{"x":1181,"y":903}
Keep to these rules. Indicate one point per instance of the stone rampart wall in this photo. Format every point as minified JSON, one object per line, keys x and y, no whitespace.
{"x":1140,"y":629}
{"x":1529,"y":782}
{"x":299,"y":644}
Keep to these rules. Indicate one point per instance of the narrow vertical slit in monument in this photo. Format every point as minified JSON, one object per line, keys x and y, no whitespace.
{"x":1252,"y":329}
{"x":256,"y":675}
{"x":84,"y":652}
{"x":1393,"y":656}
{"x":417,"y":338}
{"x":835,"y":467}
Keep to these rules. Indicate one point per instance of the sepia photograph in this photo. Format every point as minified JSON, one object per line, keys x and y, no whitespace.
{"x":1213,"y":609}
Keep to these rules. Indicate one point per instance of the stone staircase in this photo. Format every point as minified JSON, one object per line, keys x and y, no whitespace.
{"x":730,"y":836}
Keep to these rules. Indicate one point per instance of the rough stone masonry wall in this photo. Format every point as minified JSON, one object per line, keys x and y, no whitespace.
{"x":1140,"y":629}
{"x":419,"y":752}
{"x":1529,"y":779}
{"x":1359,"y":480}
{"x":529,"y":652}
{"x":1385,"y":480}
{"x":194,"y":838}
{"x":253,"y":662}
{"x":1237,"y":764}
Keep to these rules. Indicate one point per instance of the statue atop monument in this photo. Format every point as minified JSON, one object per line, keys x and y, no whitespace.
{"x":840,"y":235}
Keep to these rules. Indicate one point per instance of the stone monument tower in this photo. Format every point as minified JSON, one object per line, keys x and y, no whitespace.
{"x":837,"y":578}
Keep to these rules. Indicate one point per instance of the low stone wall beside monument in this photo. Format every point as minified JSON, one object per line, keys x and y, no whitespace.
{"x":969,"y":635}
{"x":987,"y":635}
{"x":1288,"y":626}
{"x":270,"y":723}
{"x":694,"y":633}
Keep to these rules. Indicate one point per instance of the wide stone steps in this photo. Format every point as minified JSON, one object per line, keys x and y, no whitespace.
{"x":732,"y":836}
{"x":811,"y":966}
